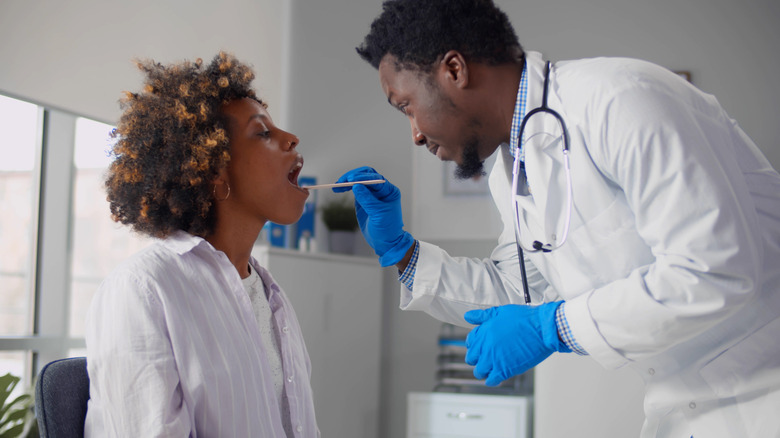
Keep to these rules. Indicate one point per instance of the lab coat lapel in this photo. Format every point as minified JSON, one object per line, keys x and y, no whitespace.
{"x":547,"y":181}
{"x":543,"y":156}
{"x":501,"y":189}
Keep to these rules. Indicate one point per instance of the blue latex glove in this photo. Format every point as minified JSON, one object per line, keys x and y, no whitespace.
{"x":378,"y":210}
{"x":511,"y":339}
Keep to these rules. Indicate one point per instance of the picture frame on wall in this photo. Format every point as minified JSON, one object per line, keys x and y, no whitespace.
{"x":444,"y":208}
{"x":685,"y":74}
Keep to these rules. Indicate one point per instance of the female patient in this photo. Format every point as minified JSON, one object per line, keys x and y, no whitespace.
{"x":191,"y":337}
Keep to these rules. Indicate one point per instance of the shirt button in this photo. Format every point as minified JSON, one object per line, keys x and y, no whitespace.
{"x":299,"y":428}
{"x":651,"y":371}
{"x":290,"y":379}
{"x":692,"y":405}
{"x":285,"y":329}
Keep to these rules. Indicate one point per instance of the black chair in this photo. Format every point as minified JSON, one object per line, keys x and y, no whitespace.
{"x":61,"y":395}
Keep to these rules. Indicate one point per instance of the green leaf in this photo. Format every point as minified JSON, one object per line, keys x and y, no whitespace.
{"x":7,"y":385}
{"x":14,"y":418}
{"x":13,"y":414}
{"x":13,"y":432}
{"x":22,"y":402}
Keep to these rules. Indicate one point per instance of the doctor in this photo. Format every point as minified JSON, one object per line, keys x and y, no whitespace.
{"x":647,"y":221}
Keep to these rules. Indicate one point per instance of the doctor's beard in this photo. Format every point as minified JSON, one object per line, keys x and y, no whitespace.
{"x":470,"y":165}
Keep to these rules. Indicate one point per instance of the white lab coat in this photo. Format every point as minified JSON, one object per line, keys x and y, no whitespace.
{"x":672,"y":263}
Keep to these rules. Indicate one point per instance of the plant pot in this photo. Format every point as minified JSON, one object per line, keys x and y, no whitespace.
{"x":342,"y":242}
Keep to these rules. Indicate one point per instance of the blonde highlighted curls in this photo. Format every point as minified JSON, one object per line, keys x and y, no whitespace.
{"x":172,"y":143}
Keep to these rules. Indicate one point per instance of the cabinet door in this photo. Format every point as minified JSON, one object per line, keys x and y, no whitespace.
{"x":338,"y":303}
{"x":466,"y":416}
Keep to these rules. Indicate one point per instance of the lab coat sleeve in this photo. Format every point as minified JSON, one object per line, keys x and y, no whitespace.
{"x":446,"y":287}
{"x":673,"y":153}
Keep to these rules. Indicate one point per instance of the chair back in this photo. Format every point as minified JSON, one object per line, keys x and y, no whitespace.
{"x":61,"y":395}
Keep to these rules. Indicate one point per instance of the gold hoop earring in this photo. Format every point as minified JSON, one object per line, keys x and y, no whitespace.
{"x":214,"y":192}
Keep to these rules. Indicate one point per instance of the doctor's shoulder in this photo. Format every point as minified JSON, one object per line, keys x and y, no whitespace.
{"x":580,"y":83}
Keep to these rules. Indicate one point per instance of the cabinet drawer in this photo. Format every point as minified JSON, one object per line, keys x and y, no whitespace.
{"x":466,"y":415}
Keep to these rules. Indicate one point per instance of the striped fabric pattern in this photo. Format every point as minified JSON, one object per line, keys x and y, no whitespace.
{"x":174,"y":349}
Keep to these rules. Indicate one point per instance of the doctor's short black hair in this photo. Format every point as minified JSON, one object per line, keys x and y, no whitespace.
{"x":171,"y":144}
{"x":419,"y":32}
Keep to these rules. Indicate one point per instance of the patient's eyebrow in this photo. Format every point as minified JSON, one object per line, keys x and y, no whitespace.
{"x":260,"y":117}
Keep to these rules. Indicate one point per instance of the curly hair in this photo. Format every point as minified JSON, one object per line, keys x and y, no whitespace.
{"x":419,"y":32}
{"x":171,"y":143}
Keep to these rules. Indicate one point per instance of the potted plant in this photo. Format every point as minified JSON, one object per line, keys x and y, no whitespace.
{"x":339,"y":218}
{"x":16,"y":416}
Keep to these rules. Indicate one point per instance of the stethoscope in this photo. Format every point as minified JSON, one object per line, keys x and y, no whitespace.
{"x":538,"y":246}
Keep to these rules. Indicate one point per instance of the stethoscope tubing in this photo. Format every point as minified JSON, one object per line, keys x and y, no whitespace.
{"x":537,"y":245}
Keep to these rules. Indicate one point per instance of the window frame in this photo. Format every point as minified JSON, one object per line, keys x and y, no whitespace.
{"x":52,"y":245}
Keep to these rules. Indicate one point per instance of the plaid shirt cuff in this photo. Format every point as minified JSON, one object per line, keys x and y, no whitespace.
{"x":407,"y":277}
{"x":564,"y":331}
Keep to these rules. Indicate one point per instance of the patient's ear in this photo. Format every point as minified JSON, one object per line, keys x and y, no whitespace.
{"x":222,"y":177}
{"x":221,"y":185}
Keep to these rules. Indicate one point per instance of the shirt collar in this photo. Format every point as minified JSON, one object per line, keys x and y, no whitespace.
{"x":182,"y":242}
{"x":519,"y":114}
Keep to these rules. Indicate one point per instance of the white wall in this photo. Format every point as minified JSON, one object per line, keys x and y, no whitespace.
{"x":336,"y":106}
{"x":77,"y":55}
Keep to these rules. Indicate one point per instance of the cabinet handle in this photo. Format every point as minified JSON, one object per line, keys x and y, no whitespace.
{"x":464,"y":416}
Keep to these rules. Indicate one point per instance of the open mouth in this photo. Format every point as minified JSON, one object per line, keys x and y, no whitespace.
{"x":433,"y":148}
{"x":292,"y":176}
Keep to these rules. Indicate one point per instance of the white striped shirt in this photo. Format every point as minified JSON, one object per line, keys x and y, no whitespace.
{"x":174,"y":349}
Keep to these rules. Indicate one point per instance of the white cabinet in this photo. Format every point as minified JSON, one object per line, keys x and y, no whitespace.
{"x":338,"y":303}
{"x":450,"y":415}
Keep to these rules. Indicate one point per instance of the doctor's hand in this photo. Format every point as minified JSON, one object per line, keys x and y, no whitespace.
{"x":378,"y":210}
{"x":511,"y":339}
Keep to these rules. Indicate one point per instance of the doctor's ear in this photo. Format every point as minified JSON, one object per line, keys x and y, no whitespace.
{"x":454,"y":68}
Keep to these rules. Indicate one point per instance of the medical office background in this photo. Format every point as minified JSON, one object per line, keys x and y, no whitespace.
{"x":69,"y":62}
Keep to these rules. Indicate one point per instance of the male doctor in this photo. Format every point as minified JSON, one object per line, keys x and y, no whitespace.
{"x":658,"y":248}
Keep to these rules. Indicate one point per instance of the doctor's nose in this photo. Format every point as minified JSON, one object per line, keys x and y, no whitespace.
{"x":417,"y":137}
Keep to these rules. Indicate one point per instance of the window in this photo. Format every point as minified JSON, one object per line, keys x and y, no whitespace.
{"x":57,"y":240}
{"x":99,"y":243}
{"x":19,"y":148}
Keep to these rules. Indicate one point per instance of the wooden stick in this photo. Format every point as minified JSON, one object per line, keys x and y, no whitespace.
{"x":344,"y":184}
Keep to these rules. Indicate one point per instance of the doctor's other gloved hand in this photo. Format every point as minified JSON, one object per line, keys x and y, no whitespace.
{"x":511,"y":339}
{"x":378,"y":209}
